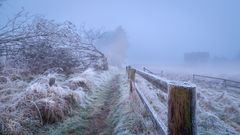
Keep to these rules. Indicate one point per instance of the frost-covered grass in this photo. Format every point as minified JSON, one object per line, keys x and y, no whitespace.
{"x":80,"y":103}
{"x":129,"y":116}
{"x":218,"y":108}
{"x":29,"y":104}
{"x":78,"y":123}
{"x":125,"y":114}
{"x":101,"y":102}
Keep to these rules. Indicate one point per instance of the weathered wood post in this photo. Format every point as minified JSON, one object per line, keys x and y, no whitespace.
{"x":225,"y":83}
{"x":182,"y":109}
{"x":193,"y":77}
{"x":131,"y":74}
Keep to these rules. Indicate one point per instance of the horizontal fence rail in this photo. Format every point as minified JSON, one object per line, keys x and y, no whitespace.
{"x":158,"y":82}
{"x":181,"y":104}
{"x":149,"y":71}
{"x":226,"y":82}
{"x":145,"y":69}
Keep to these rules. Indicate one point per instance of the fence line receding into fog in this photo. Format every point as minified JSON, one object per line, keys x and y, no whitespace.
{"x":181,"y":103}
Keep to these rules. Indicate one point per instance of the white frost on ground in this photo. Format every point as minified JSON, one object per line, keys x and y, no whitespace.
{"x":105,"y":90}
{"x":218,"y":108}
{"x":129,"y":116}
{"x":27,"y":104}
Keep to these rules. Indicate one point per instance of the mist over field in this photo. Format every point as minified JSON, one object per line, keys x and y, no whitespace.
{"x":108,"y":67}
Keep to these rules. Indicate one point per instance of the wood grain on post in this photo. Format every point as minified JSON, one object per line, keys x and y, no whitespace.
{"x":182,"y":110}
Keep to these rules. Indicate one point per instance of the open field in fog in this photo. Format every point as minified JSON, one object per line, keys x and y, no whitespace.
{"x":69,"y":67}
{"x":218,"y":108}
{"x":100,"y":102}
{"x":231,"y":71}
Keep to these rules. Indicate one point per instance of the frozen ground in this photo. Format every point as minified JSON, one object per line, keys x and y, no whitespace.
{"x":218,"y":108}
{"x":92,"y":102}
{"x":110,"y":110}
{"x":99,"y":102}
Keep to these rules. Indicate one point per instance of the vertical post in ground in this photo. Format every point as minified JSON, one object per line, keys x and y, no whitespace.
{"x":127,"y":70}
{"x":182,"y":109}
{"x":131,"y":74}
{"x":225,"y":83}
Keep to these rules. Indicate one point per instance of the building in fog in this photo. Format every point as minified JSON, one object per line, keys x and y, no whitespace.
{"x":196,"y":57}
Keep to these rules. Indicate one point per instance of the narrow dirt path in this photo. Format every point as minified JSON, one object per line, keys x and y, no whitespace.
{"x":108,"y":110}
{"x":95,"y":118}
{"x":98,"y":120}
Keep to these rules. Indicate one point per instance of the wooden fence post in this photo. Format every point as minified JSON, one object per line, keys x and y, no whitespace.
{"x":193,"y":77}
{"x":182,"y":109}
{"x":131,"y":74}
{"x":225,"y":83}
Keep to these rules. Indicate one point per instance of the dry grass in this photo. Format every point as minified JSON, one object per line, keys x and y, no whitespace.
{"x":37,"y":108}
{"x":129,"y":115}
{"x":217,"y":107}
{"x":109,"y":110}
{"x":25,"y":106}
{"x":77,"y":82}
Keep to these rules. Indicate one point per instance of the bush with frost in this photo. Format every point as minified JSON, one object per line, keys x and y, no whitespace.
{"x":37,"y":44}
{"x":26,"y":106}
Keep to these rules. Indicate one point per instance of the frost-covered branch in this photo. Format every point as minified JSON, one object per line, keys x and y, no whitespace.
{"x":37,"y":44}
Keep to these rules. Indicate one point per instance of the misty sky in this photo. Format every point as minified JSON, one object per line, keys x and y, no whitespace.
{"x":158,"y":31}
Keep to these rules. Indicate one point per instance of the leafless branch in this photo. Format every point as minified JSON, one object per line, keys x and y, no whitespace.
{"x":39,"y":43}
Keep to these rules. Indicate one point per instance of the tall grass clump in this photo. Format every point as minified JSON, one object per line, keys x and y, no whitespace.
{"x":28,"y":106}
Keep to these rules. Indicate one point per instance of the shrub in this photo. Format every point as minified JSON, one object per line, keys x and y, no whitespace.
{"x":44,"y":44}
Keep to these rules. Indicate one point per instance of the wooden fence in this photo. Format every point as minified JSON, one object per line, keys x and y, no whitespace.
{"x":181,"y":104}
{"x":226,"y":82}
{"x":149,"y":71}
{"x":145,"y":69}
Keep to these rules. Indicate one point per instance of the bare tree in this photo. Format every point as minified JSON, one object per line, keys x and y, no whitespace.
{"x":39,"y":44}
{"x":16,"y":31}
{"x":90,"y":35}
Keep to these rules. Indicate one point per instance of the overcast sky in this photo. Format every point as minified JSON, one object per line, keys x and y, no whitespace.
{"x":158,"y":31}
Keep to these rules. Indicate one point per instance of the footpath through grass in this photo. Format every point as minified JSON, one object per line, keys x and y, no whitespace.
{"x":93,"y":119}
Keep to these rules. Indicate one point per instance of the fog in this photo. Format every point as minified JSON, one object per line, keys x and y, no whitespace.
{"x":158,"y":32}
{"x":135,"y":67}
